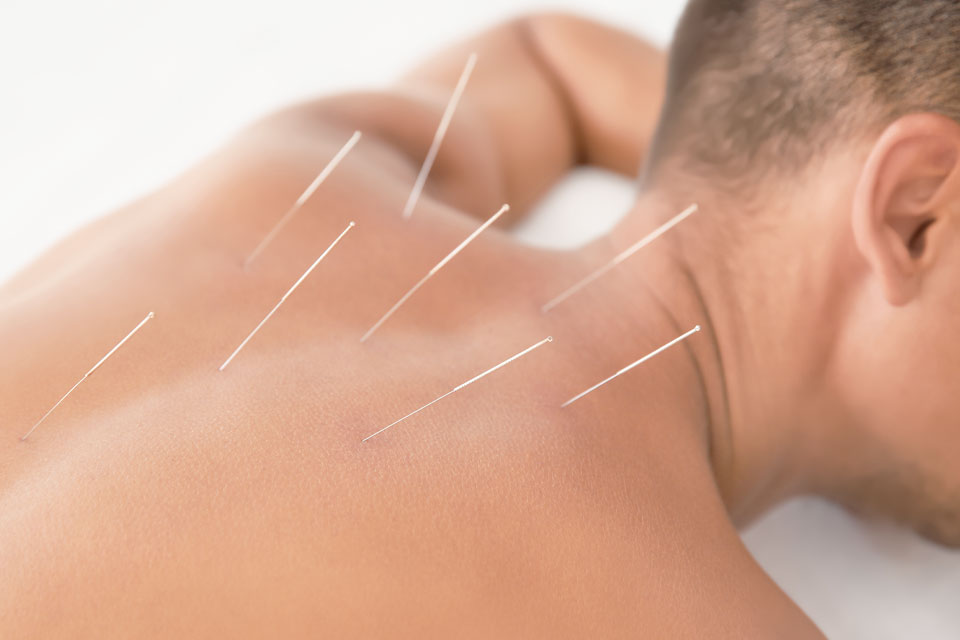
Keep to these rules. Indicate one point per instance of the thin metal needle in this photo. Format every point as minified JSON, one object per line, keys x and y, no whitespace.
{"x":286,"y":295}
{"x":87,"y":375}
{"x":656,"y":233}
{"x":438,"y":137}
{"x":433,"y":271}
{"x":631,"y":366}
{"x":467,"y":383}
{"x":309,"y":191}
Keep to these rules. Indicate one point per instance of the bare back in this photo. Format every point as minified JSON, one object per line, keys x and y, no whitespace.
{"x":169,"y":499}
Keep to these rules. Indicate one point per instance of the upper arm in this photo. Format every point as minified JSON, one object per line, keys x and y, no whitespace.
{"x":548,"y":92}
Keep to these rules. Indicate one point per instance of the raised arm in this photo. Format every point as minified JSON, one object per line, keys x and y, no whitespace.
{"x":548,"y":92}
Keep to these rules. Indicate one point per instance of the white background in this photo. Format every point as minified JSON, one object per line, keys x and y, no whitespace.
{"x":103,"y":100}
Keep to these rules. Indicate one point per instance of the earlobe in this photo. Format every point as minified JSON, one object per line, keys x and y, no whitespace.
{"x":910,"y":182}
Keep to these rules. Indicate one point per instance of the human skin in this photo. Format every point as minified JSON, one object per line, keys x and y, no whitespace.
{"x":165,"y":498}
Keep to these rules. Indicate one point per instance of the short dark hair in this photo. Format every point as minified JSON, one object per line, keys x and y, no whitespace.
{"x":760,"y":85}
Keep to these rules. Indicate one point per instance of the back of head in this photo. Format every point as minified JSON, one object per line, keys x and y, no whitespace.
{"x":767,"y":85}
{"x":836,"y":124}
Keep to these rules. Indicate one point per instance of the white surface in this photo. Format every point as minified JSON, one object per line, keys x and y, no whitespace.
{"x":104,"y":100}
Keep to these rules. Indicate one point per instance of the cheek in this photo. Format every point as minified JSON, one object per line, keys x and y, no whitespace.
{"x":933,"y":390}
{"x":898,"y":368}
{"x":916,"y":412}
{"x":902,"y":385}
{"x":933,"y":432}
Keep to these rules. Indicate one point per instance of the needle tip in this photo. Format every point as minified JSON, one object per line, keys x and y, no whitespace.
{"x":696,"y":328}
{"x":549,"y":338}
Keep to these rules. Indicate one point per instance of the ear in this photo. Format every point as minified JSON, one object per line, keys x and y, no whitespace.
{"x":909,"y":185}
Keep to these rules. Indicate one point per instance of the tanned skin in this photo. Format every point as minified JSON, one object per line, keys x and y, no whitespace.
{"x":167,"y":499}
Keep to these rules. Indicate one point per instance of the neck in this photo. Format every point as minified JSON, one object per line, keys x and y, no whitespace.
{"x":736,"y":366}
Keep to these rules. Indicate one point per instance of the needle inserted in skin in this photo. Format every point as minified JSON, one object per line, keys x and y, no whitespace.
{"x":87,"y":375}
{"x":286,"y":295}
{"x":656,"y":233}
{"x":438,"y":136}
{"x":631,"y":366}
{"x":433,"y":271}
{"x":327,"y":170}
{"x":467,"y":383}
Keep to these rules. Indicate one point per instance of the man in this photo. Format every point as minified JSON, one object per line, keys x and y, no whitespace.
{"x":168,"y":499}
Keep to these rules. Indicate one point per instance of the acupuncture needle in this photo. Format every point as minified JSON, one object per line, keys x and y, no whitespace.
{"x":656,"y":233}
{"x":438,"y":137}
{"x":433,"y":272}
{"x":87,"y":375}
{"x":286,"y":295}
{"x":465,"y":384}
{"x":307,"y":193}
{"x":632,"y":365}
